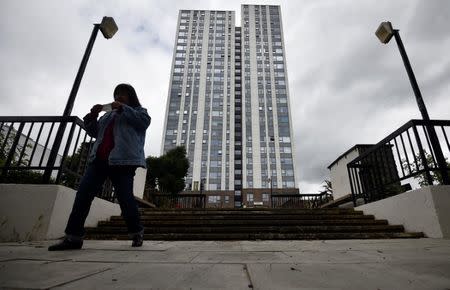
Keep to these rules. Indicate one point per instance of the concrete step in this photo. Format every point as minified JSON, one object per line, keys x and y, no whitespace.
{"x":252,"y":217}
{"x":246,"y":212}
{"x":254,"y":229}
{"x":250,"y":224}
{"x":335,"y":203}
{"x":204,"y":222}
{"x":262,"y":236}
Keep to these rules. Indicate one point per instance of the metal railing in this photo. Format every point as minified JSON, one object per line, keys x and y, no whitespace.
{"x":285,"y":201}
{"x":25,"y":148}
{"x":300,"y":200}
{"x":402,"y":161}
{"x":178,"y":201}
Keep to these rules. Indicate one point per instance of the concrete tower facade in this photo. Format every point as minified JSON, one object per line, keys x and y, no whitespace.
{"x":267,"y":127}
{"x":228,"y":100}
{"x":200,"y":107}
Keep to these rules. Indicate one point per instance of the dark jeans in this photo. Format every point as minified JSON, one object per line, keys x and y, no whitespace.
{"x":122,"y":179}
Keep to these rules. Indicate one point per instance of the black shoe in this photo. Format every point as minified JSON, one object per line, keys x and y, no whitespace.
{"x":66,"y":244}
{"x":138,"y":240}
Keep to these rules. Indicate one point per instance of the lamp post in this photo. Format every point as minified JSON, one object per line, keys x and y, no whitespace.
{"x":384,"y":34}
{"x":108,"y":28}
{"x":271,"y":140}
{"x":202,"y":184}
{"x":271,"y":188}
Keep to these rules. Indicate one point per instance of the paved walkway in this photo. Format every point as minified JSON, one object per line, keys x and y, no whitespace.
{"x":345,"y":264}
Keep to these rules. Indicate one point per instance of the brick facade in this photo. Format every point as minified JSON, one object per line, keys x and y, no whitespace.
{"x":251,"y":197}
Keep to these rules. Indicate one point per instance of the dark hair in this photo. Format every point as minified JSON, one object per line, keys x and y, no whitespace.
{"x":127,"y":90}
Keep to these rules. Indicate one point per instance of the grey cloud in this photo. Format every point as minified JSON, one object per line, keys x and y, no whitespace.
{"x":348,"y":88}
{"x":429,"y":21}
{"x":345,"y":86}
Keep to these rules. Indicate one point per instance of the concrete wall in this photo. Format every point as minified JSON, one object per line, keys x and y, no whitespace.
{"x":38,"y":212}
{"x":339,"y":175}
{"x":424,"y":210}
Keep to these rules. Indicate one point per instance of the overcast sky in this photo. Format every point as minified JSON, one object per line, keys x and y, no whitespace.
{"x":345,"y":86}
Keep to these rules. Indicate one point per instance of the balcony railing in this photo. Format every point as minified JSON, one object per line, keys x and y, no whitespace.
{"x":178,"y":201}
{"x":300,"y":200}
{"x":402,"y":161}
{"x":26,"y":144}
{"x":282,"y":201}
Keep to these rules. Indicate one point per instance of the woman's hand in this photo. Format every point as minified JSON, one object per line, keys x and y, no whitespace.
{"x":96,"y":109}
{"x":117,"y":105}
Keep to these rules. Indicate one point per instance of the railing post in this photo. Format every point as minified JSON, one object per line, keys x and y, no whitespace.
{"x":66,"y":150}
{"x":349,"y":172}
{"x":422,"y":156}
{"x":442,"y":164}
{"x":54,"y":152}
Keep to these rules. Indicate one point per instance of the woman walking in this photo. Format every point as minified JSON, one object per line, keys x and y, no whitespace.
{"x":116,"y":153}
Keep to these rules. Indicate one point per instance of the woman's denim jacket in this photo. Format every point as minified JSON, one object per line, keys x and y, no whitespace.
{"x":129,"y":135}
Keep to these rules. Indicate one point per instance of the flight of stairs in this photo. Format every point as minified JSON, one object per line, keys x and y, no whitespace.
{"x":252,"y":224}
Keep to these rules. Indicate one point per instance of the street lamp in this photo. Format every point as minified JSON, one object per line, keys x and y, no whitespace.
{"x":271,"y":140}
{"x":108,"y":28}
{"x":384,"y":34}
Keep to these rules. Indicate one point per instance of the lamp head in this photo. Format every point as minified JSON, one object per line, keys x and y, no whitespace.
{"x":108,"y":27}
{"x":385,"y":32}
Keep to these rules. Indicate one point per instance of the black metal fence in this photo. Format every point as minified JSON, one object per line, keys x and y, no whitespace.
{"x":178,"y":201}
{"x":284,"y":201}
{"x":300,"y":200}
{"x":402,"y":161}
{"x":26,"y":144}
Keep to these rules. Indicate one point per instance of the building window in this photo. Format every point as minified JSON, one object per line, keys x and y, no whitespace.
{"x":214,"y":199}
{"x":250,"y":197}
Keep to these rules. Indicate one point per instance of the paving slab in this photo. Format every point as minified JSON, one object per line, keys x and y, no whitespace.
{"x":102,"y":251}
{"x":125,"y":245}
{"x":378,"y":255}
{"x":206,"y":246}
{"x":102,"y":256}
{"x":241,"y":257}
{"x":33,"y":253}
{"x":136,"y":256}
{"x":342,"y":276}
{"x":167,"y":276}
{"x":340,"y":244}
{"x":340,"y":264}
{"x":26,"y":274}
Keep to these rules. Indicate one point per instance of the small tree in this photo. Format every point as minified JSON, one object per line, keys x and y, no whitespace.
{"x":7,"y":143}
{"x":327,"y":186}
{"x":153,"y":172}
{"x":16,"y":176}
{"x":170,"y":169}
{"x":436,"y":175}
{"x":69,"y":176}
